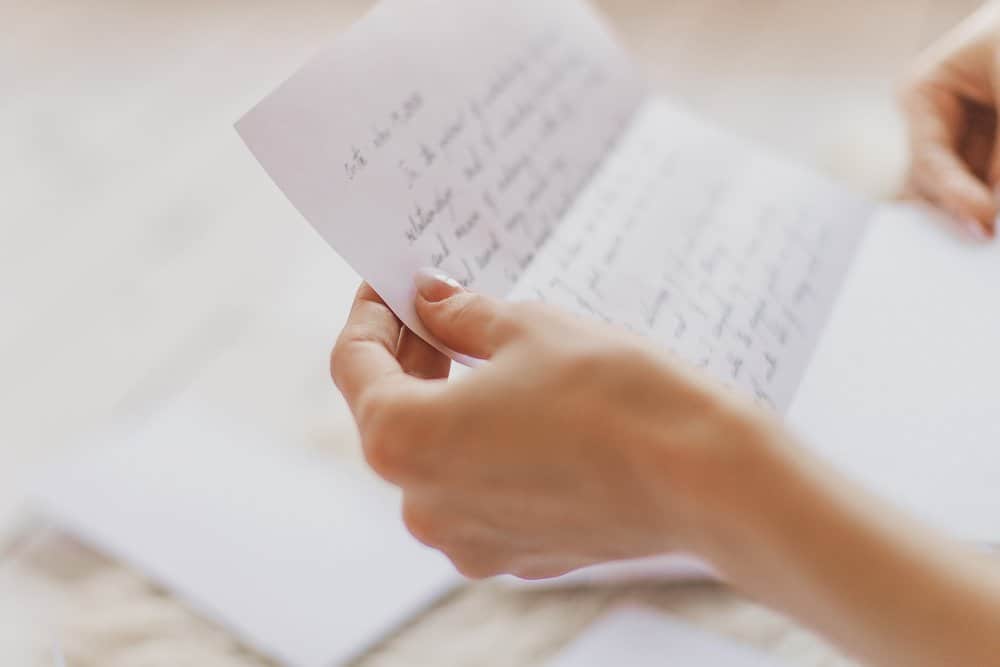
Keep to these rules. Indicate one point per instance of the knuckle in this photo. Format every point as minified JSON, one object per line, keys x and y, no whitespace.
{"x":460,"y":304}
{"x":423,"y":524}
{"x":380,"y":453}
{"x":398,"y":430}
{"x":596,"y":359}
{"x":525,"y":310}
{"x":466,"y":309}
{"x":384,"y":437}
{"x":346,"y":345}
{"x":615,"y":370}
{"x":472,"y":566}
{"x":337,"y":359}
{"x":520,"y":315}
{"x":588,"y":360}
{"x":355,"y":334}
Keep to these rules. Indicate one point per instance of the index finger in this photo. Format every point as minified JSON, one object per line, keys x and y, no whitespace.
{"x":364,"y":357}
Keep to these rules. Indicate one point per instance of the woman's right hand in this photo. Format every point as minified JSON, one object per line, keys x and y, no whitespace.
{"x":950,"y":101}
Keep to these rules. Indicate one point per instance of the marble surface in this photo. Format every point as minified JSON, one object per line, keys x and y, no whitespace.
{"x":143,"y":254}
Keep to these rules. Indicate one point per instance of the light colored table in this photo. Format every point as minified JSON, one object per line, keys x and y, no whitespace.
{"x":143,"y":254}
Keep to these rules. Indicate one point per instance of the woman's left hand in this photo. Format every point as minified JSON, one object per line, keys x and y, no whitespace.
{"x":577,"y":444}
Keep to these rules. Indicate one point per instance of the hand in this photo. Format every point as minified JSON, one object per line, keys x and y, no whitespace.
{"x":576,"y":444}
{"x":951,"y":104}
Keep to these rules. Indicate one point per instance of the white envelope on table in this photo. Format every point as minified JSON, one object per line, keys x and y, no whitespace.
{"x":300,"y":555}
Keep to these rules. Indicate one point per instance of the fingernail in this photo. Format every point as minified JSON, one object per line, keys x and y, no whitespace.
{"x":976,"y":230}
{"x":435,"y":285}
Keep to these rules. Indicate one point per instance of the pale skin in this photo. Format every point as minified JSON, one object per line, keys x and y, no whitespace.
{"x":950,"y":101}
{"x":578,"y":443}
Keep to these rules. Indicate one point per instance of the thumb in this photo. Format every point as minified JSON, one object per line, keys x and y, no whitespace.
{"x":467,"y":322}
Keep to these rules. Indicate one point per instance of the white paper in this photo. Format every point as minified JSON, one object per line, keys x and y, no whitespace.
{"x":659,"y":569}
{"x":713,"y":248}
{"x":510,"y":145}
{"x":446,"y":133}
{"x":641,"y":637}
{"x":903,"y":391}
{"x":305,"y":560}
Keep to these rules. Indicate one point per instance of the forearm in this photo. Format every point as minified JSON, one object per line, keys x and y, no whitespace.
{"x":879,"y":585}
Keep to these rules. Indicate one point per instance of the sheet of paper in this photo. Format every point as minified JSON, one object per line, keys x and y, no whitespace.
{"x":448,"y":133}
{"x":710,"y":246}
{"x":538,"y":170}
{"x":659,"y":569}
{"x":303,"y":559}
{"x":902,"y":393}
{"x":641,"y":637}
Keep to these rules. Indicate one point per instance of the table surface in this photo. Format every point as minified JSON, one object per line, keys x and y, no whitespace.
{"x":143,"y":255}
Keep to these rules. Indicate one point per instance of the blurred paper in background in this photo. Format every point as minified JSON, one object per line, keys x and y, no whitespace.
{"x":303,"y":557}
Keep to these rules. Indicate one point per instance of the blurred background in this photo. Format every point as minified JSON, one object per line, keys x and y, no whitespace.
{"x":145,"y":256}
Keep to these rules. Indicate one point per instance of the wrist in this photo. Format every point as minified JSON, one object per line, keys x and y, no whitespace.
{"x":730,"y":484}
